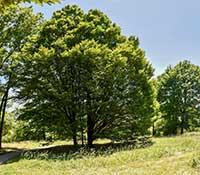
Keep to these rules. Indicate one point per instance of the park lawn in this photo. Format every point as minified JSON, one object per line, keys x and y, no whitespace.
{"x":169,"y":155}
{"x":26,"y":145}
{"x":35,"y":144}
{"x":21,"y":145}
{"x":31,"y":144}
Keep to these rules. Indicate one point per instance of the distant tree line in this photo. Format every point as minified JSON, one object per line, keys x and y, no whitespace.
{"x":77,"y":77}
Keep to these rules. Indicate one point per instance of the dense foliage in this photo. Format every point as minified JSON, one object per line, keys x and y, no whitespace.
{"x":81,"y":76}
{"x":179,"y":97}
{"x":6,"y":3}
{"x":77,"y":77}
{"x":16,"y":25}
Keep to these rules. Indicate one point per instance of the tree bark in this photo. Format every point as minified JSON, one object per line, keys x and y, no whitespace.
{"x":183,"y":121}
{"x":182,"y":125}
{"x":4,"y":103}
{"x":1,"y":106}
{"x":182,"y":130}
{"x":82,"y":132}
{"x":90,"y":131}
{"x":74,"y":137}
{"x":153,"y":130}
{"x":82,"y":138}
{"x":74,"y":130}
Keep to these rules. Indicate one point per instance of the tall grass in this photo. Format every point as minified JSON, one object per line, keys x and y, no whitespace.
{"x":169,"y":155}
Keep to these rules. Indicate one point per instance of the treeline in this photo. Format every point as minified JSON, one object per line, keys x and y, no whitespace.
{"x":77,"y":77}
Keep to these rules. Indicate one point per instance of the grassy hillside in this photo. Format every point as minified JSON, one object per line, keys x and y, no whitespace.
{"x":171,"y":155}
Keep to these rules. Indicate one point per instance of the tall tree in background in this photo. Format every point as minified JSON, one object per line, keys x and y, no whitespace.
{"x":16,"y":25}
{"x":179,"y":97}
{"x":81,"y":75}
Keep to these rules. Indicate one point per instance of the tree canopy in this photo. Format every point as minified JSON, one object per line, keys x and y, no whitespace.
{"x":5,"y":3}
{"x":17,"y":24}
{"x":82,"y":76}
{"x":179,"y":97}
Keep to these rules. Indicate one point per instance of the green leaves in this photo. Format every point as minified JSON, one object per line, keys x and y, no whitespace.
{"x":81,"y":76}
{"x":179,"y":91}
{"x":6,"y":3}
{"x":17,"y":26}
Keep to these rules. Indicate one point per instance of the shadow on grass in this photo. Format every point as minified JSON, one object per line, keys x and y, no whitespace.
{"x":69,"y":152}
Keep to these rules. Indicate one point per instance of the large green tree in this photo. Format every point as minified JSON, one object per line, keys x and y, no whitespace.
{"x":16,"y":25}
{"x":179,"y":97}
{"x":81,"y":75}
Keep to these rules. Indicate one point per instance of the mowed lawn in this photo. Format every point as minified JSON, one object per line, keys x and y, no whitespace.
{"x":167,"y":156}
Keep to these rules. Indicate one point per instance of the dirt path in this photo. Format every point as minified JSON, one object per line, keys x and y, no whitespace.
{"x":8,"y":156}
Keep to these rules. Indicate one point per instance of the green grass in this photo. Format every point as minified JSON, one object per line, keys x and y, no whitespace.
{"x":32,"y":144}
{"x":26,"y":145}
{"x":21,"y":145}
{"x":170,"y":155}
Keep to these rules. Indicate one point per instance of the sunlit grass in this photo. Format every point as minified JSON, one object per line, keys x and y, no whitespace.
{"x":22,"y":145}
{"x":33,"y":144}
{"x":170,"y":155}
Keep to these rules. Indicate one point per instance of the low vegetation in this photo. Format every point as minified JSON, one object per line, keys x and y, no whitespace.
{"x":174,"y":155}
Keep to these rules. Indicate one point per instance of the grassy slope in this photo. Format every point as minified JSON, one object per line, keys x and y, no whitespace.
{"x":171,"y":156}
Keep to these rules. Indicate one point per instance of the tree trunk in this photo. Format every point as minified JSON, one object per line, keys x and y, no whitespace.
{"x":82,"y":131}
{"x":82,"y":138}
{"x":74,"y":131}
{"x":4,"y":103}
{"x":1,"y":106}
{"x":182,"y":123}
{"x":82,"y":135}
{"x":74,"y":138}
{"x":43,"y":134}
{"x":182,"y":130}
{"x":153,"y":130}
{"x":90,"y":131}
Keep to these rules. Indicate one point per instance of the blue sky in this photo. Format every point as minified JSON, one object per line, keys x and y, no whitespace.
{"x":169,"y":31}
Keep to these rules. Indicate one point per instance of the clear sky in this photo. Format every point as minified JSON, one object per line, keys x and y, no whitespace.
{"x":169,"y":30}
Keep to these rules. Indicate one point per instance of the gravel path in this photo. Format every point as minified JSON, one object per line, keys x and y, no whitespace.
{"x":8,"y":156}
